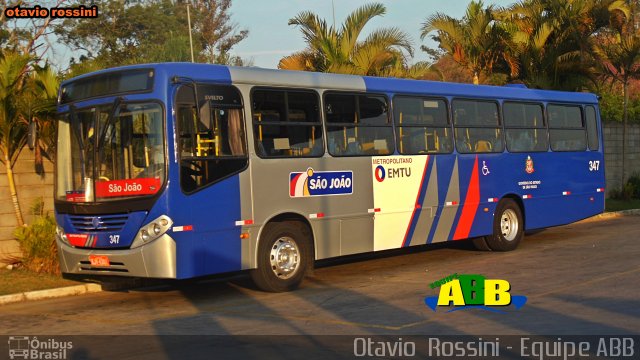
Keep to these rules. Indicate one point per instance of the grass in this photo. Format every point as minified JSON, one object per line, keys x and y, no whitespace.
{"x":20,"y":280}
{"x":617,"y":205}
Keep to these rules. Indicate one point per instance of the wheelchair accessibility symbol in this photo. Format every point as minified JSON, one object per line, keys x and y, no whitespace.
{"x":485,"y":168}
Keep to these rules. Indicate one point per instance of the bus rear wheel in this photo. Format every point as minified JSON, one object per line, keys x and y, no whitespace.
{"x":508,"y":227}
{"x":284,"y":257}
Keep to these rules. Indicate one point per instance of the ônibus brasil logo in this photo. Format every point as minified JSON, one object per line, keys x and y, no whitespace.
{"x":458,"y":292}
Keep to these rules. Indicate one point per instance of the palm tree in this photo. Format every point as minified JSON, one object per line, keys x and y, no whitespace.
{"x":13,"y":129}
{"x":477,"y":41}
{"x":551,"y":39}
{"x":618,"y":56}
{"x":41,"y":95}
{"x":335,"y":50}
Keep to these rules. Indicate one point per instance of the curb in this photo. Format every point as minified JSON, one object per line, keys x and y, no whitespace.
{"x":138,"y":283}
{"x":82,"y":289}
{"x":613,"y":215}
{"x":50,"y":293}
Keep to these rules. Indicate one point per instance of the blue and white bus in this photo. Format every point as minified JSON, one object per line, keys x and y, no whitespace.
{"x":183,"y":170}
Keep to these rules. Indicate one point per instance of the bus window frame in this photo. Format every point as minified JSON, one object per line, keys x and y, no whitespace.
{"x":545,"y":126}
{"x":500,"y":125}
{"x":389,"y":111}
{"x":285,"y":90}
{"x":176,"y":130}
{"x":582,"y":120}
{"x":449,"y":125}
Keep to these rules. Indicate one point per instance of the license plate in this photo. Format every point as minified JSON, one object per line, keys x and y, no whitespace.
{"x":99,"y":260}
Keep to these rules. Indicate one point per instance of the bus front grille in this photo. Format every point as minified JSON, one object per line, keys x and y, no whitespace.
{"x":102,"y":223}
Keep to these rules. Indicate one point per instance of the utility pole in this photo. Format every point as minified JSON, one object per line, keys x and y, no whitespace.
{"x":190,"y":36}
{"x":333,"y":10}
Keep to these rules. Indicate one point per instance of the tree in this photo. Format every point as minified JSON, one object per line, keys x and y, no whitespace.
{"x":476,"y":42}
{"x":40,"y":96}
{"x":551,"y":40}
{"x":13,"y":125}
{"x":27,"y":91}
{"x":618,"y":55}
{"x":338,"y":50}
{"x":138,"y":31}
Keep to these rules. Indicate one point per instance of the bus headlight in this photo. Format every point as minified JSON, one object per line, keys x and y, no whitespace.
{"x":62,"y":235}
{"x":152,"y":231}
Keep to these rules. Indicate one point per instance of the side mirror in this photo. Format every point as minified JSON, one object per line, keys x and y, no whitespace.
{"x":32,"y":135}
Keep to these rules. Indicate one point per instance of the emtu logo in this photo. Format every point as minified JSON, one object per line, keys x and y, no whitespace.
{"x":473,"y":291}
{"x":380,"y":173}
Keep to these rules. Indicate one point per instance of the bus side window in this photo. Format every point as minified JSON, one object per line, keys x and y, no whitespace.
{"x":477,"y":126}
{"x":358,"y":125}
{"x":525,"y":128}
{"x":286,"y":123}
{"x":422,"y":125}
{"x":566,"y":129}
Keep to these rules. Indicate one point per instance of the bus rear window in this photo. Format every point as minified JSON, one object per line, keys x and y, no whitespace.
{"x":139,"y":80}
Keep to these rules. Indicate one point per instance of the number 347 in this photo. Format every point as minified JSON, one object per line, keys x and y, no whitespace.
{"x":594,"y":165}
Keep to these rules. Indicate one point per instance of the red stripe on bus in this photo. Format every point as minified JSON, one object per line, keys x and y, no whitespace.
{"x":470,"y":206}
{"x":417,"y":205}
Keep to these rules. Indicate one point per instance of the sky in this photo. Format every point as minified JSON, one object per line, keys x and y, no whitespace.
{"x":270,"y":38}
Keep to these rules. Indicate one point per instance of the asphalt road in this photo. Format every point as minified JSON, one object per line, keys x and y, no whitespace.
{"x":580,"y":279}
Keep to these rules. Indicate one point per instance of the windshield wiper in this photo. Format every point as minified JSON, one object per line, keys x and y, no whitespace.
{"x":115,"y":108}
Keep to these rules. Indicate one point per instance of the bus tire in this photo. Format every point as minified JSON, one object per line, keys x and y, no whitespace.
{"x":480,"y":243}
{"x":508,"y":227}
{"x":284,"y":256}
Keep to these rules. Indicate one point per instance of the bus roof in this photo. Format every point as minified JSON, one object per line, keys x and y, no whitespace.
{"x":287,"y":78}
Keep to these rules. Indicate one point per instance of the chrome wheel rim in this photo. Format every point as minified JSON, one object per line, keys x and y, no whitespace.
{"x":284,"y":257}
{"x":509,"y":224}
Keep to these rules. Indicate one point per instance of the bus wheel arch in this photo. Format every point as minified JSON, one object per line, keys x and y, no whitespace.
{"x":508,"y":226}
{"x":284,"y":253}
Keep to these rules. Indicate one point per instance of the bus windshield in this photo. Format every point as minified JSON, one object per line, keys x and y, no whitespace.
{"x":113,"y":151}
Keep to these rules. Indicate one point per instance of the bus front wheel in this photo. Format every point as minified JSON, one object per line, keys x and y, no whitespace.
{"x":284,"y":256}
{"x":508,"y":227}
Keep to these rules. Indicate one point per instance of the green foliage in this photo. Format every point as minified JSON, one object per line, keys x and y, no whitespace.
{"x":631,"y":189}
{"x":142,"y":31}
{"x":611,"y":106}
{"x":38,"y":244}
{"x":542,"y":43}
{"x":476,"y":42}
{"x":339,"y":50}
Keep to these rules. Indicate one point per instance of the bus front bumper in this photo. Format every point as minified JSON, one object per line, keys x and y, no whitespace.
{"x":156,"y":259}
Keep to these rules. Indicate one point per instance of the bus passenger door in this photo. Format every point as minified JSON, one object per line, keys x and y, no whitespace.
{"x":212,"y":155}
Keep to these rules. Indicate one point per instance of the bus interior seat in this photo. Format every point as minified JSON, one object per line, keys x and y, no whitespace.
{"x":334,"y":146}
{"x":353,"y":148}
{"x":483,"y":146}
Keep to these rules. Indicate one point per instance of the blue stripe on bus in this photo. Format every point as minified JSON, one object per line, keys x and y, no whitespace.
{"x":445,"y":172}
{"x":421,"y":195}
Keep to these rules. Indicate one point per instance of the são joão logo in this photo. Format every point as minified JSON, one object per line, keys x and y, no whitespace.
{"x":467,"y":291}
